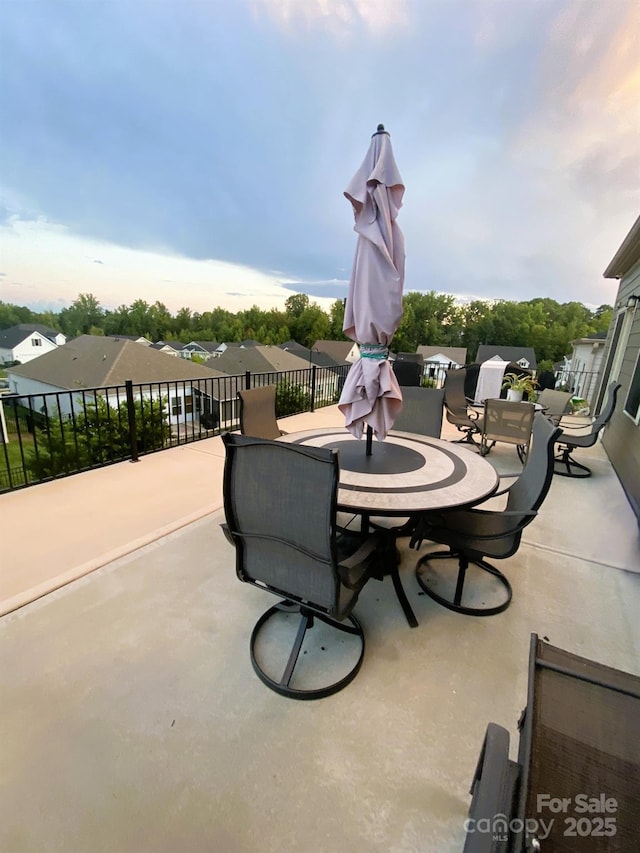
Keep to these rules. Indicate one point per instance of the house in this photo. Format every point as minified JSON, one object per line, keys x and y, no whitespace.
{"x":27,"y":341}
{"x":438,"y":359}
{"x":621,"y":362}
{"x":339,"y":350}
{"x":311,"y":356}
{"x":90,"y":361}
{"x":204,"y":349}
{"x":235,"y":360}
{"x":525,"y":357}
{"x":173,"y":348}
{"x":585,"y":361}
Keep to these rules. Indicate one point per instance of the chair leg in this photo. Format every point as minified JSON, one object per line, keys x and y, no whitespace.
{"x":467,"y":438}
{"x":307,"y":618}
{"x":566,"y":466}
{"x":455,"y":601}
{"x":402,"y":597}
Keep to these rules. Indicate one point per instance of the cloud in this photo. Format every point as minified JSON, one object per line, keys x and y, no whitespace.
{"x":338,"y":17}
{"x":56,"y":261}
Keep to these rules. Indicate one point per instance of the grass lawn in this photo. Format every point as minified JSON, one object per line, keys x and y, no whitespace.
{"x":15,"y":459}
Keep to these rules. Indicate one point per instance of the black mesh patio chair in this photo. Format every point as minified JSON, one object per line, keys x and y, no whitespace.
{"x":280,"y":507}
{"x":473,"y":534}
{"x":578,"y":746}
{"x":554,"y":404}
{"x":565,"y":464}
{"x":421,"y":411}
{"x":408,"y":373}
{"x":258,"y":412}
{"x":456,"y":407}
{"x":508,"y":422}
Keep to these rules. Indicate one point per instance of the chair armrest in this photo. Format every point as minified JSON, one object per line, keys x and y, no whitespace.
{"x":492,"y":791}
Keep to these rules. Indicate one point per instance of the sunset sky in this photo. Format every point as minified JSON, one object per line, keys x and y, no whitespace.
{"x":196,"y":151}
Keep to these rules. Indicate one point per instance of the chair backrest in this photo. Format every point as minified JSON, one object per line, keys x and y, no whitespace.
{"x":531,"y":487}
{"x":408,"y":373}
{"x":280,"y":503}
{"x":421,"y":411}
{"x":454,"y":396}
{"x":258,"y":412}
{"x":554,"y":403}
{"x":606,"y":412}
{"x":508,"y":421}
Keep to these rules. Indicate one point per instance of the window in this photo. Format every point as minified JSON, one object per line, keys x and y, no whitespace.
{"x":188,"y":404}
{"x":632,"y":403}
{"x":36,"y":342}
{"x":176,"y":406}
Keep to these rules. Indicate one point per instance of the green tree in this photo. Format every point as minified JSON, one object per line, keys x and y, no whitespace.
{"x":83,"y":313}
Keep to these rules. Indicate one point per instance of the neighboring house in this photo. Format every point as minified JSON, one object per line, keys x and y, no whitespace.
{"x":313,"y":356}
{"x":621,"y":362}
{"x":27,"y":341}
{"x":90,"y":361}
{"x":585,"y":361}
{"x":174,"y":348}
{"x":523,"y":356}
{"x":263,"y":361}
{"x":204,"y":349}
{"x":339,"y":350}
{"x":439,"y":359}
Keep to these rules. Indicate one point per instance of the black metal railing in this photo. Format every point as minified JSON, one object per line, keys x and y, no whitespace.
{"x":47,"y":436}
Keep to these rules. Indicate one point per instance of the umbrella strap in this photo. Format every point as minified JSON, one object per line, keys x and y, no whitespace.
{"x":377,"y":351}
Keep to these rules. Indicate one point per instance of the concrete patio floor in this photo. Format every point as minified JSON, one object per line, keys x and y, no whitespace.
{"x":132,"y":721}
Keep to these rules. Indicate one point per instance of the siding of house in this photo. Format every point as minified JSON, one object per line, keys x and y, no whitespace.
{"x":621,"y":439}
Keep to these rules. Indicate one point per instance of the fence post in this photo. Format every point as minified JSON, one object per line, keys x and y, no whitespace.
{"x":131,"y":417}
{"x":247,"y":379}
{"x":313,"y":387}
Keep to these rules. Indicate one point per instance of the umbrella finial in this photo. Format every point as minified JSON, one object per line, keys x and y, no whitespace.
{"x":380,"y":130}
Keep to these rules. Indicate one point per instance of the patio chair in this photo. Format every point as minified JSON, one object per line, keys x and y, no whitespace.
{"x":258,"y":412}
{"x":565,"y":464}
{"x":508,"y":422}
{"x":280,"y":506}
{"x":473,"y":534}
{"x":578,"y":738}
{"x":456,"y":407}
{"x":421,"y":414}
{"x":408,"y":373}
{"x":554,"y":404}
{"x":421,"y":411}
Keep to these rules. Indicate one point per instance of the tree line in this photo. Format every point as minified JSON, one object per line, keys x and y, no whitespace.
{"x":432,"y":319}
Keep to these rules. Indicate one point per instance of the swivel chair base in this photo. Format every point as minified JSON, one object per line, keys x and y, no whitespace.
{"x":307,"y":618}
{"x":566,"y":466}
{"x":455,"y":601}
{"x":467,"y":438}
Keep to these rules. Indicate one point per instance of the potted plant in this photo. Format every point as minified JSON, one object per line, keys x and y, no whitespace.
{"x":517,"y":386}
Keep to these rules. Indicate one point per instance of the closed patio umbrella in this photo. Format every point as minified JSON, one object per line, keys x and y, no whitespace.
{"x":371,"y":395}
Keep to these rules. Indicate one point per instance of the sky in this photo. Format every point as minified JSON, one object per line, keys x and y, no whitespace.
{"x":196,"y":152}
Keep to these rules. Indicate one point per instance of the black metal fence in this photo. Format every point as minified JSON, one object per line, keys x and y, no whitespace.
{"x":47,"y":436}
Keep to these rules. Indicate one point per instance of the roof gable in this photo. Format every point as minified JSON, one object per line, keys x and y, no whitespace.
{"x":513,"y":354}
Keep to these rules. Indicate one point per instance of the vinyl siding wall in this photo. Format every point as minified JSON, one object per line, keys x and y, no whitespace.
{"x":621,"y":439}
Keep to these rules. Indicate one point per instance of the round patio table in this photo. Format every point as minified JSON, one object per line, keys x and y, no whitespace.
{"x":406,"y":473}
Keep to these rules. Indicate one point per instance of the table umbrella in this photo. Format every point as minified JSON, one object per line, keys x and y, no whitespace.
{"x":371,"y":395}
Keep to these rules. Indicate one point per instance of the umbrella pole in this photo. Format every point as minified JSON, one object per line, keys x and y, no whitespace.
{"x":369,"y":440}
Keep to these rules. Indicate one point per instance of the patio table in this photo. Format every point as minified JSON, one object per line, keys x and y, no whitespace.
{"x":406,"y":473}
